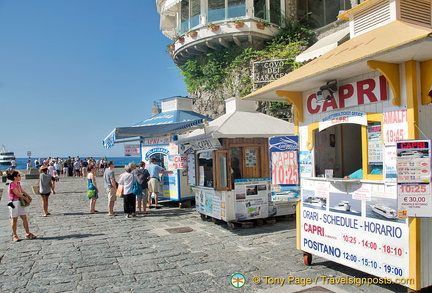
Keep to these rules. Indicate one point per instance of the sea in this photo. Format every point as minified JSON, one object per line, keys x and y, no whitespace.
{"x":118,"y":161}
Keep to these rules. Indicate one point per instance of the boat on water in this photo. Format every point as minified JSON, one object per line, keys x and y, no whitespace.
{"x":384,"y":211}
{"x":344,"y":205}
{"x":315,"y":201}
{"x":6,"y":157}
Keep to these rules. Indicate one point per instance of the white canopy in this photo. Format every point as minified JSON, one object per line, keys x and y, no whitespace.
{"x":240,"y":123}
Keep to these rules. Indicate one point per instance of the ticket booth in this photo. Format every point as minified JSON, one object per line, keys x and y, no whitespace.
{"x":157,"y":136}
{"x":362,"y":113}
{"x":229,"y":165}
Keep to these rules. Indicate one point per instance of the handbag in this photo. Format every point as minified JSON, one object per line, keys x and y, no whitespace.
{"x":92,"y":193}
{"x":119,"y":192}
{"x":23,"y":202}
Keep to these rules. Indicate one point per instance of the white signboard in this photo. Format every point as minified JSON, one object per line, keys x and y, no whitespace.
{"x":349,"y":229}
{"x":132,"y":150}
{"x":343,"y":117}
{"x":395,"y":125}
{"x":413,"y":178}
{"x":157,"y":140}
{"x":362,"y":92}
{"x":177,"y":162}
{"x":375,"y":146}
{"x":390,"y":163}
{"x":191,"y":169}
{"x":252,"y":197}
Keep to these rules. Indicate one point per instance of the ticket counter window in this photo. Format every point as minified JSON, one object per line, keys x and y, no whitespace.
{"x":338,"y":148}
{"x":161,"y":159}
{"x":205,"y":169}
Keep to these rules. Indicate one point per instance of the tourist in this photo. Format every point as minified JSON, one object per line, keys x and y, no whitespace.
{"x":92,"y":190}
{"x":129,"y":198}
{"x":58,"y":166}
{"x":28,"y":166}
{"x":45,"y":185}
{"x":153,"y":183}
{"x":110,"y":185}
{"x":142,"y":175}
{"x":77,"y":167}
{"x":84,"y":165}
{"x":65,"y":168}
{"x":16,"y":192}
{"x":13,"y":164}
{"x":37,"y":163}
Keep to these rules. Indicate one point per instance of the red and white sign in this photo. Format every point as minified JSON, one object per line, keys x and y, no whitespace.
{"x":157,"y":140}
{"x":132,"y":150}
{"x":285,"y":167}
{"x":395,"y":124}
{"x":343,"y":117}
{"x":362,"y":92}
{"x":178,"y":162}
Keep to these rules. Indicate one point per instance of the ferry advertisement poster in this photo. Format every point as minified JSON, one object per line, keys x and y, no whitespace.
{"x":285,"y":174}
{"x":362,"y":234}
{"x":413,"y":169}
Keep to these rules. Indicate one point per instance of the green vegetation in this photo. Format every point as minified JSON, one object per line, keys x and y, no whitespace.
{"x":216,"y":69}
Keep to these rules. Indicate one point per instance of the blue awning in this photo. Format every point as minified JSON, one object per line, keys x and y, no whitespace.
{"x":151,"y":130}
{"x":170,"y":117}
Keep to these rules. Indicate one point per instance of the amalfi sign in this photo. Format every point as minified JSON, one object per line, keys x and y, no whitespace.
{"x":270,"y":70}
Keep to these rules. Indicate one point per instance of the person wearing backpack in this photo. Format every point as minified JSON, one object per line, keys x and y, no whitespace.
{"x":142,"y":176}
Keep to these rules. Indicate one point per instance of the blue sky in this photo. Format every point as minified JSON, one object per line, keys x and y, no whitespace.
{"x":72,"y":70}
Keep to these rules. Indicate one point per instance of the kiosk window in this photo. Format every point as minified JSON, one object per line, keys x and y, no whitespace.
{"x":161,"y":159}
{"x":222,"y":179}
{"x":205,"y":169}
{"x":338,"y":148}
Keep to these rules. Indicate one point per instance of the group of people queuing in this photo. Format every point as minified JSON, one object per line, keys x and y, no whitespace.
{"x":76,"y":167}
{"x":137,"y":187}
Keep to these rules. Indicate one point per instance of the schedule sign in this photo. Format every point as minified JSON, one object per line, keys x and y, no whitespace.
{"x":284,"y":160}
{"x":413,"y":166}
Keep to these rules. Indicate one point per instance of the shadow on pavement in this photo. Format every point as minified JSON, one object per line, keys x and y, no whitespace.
{"x":77,"y":236}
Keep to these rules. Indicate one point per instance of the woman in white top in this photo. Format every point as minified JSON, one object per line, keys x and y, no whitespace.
{"x":127,"y":180}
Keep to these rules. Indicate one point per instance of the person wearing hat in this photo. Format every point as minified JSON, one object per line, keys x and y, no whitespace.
{"x":46,"y":184}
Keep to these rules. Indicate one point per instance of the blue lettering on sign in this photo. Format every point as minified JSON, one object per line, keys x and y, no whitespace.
{"x":283,"y":143}
{"x":382,"y":229}
{"x":156,"y":151}
{"x":310,"y":215}
{"x":321,"y":247}
{"x":340,"y":221}
{"x":343,"y":113}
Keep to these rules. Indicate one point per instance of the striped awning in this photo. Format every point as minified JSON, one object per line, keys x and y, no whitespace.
{"x":149,"y":130}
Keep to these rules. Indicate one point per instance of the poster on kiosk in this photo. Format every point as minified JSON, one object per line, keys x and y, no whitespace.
{"x":285,"y":178}
{"x":413,"y":166}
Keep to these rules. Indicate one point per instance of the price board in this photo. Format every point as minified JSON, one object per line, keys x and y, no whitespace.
{"x":413,"y":167}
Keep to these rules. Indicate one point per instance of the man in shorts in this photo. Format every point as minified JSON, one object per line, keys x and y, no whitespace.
{"x":153,"y":184}
{"x":110,"y":185}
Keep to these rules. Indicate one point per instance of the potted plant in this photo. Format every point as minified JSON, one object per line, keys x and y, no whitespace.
{"x":180,"y":39}
{"x":238,"y":23}
{"x":171,"y":47}
{"x":261,"y":24}
{"x":213,"y":27}
{"x":193,"y":34}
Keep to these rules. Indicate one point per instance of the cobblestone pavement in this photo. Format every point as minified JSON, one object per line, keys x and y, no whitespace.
{"x":80,"y":252}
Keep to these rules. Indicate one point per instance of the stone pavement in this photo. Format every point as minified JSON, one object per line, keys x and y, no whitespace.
{"x":81,"y":252}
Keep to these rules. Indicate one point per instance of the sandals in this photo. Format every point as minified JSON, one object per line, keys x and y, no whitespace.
{"x":15,"y":238}
{"x":30,"y":236}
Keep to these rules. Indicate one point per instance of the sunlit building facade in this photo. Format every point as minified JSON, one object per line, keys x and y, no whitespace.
{"x":197,"y":26}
